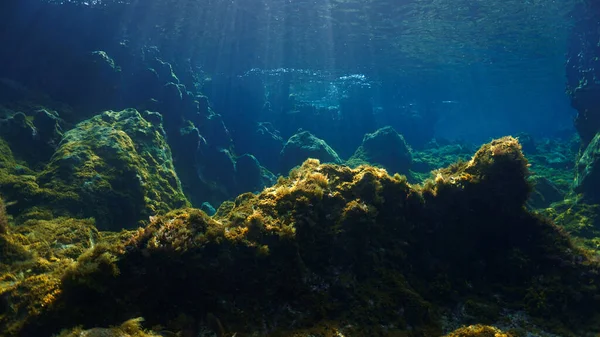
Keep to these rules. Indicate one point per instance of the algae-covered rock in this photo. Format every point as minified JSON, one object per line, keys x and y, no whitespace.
{"x":119,"y":166}
{"x":304,"y":145}
{"x":544,"y":193}
{"x":330,"y":243}
{"x":19,"y":186}
{"x":384,"y":147}
{"x":587,"y":179}
{"x":479,"y":331}
{"x":250,"y":175}
{"x":34,"y":256}
{"x":578,"y":218}
{"x":363,"y":250}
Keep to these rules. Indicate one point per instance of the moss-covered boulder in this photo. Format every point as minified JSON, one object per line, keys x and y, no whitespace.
{"x":250,"y":176}
{"x":479,"y":331}
{"x":544,"y":193}
{"x":118,"y":165}
{"x":304,"y":145}
{"x":385,"y":148}
{"x":578,"y":218}
{"x":354,"y":250}
{"x":20,"y":188}
{"x":34,"y":254}
{"x":587,"y":179}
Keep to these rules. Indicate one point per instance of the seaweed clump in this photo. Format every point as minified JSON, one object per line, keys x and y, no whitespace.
{"x":355,"y":251}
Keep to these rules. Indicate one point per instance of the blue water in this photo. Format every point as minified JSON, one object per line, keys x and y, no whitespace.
{"x":206,"y":95}
{"x":485,"y":68}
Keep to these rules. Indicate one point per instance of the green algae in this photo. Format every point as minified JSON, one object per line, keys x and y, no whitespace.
{"x":114,"y":159}
{"x":329,"y":249}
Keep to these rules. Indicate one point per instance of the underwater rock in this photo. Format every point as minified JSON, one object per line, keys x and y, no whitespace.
{"x":304,"y":145}
{"x":164,"y":70}
{"x":207,"y":208}
{"x":207,"y":166}
{"x":34,"y":255}
{"x":219,"y":168}
{"x":42,"y":131}
{"x":583,"y":69}
{"x":558,"y":160}
{"x":384,"y":147}
{"x":266,"y":145}
{"x":479,"y":331}
{"x":250,"y":175}
{"x":544,"y":192}
{"x":332,"y":243}
{"x":587,"y":103}
{"x":587,"y":178}
{"x":214,"y":131}
{"x":120,"y":168}
{"x":438,"y":154}
{"x":578,"y":218}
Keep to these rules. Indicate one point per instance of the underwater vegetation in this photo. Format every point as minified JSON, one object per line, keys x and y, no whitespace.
{"x":146,"y":192}
{"x":328,"y":249}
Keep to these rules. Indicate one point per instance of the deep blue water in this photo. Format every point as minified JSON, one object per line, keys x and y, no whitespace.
{"x":475,"y":69}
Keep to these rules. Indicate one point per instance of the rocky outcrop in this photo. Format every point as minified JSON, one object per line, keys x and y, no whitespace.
{"x":587,"y":178}
{"x":583,"y":69}
{"x":544,"y":193}
{"x":118,"y":168}
{"x":385,"y":148}
{"x":330,"y":244}
{"x":304,"y":145}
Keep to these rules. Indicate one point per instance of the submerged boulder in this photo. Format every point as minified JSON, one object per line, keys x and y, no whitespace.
{"x":40,"y":130}
{"x":304,"y":145}
{"x":250,"y":175}
{"x":544,"y":193}
{"x":118,"y":166}
{"x":384,"y":147}
{"x":587,"y":178}
{"x":365,"y":252}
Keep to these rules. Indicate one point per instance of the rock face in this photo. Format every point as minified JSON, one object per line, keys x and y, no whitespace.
{"x":384,"y":147}
{"x":118,"y":167}
{"x":587,"y":179}
{"x":544,"y":193}
{"x":41,"y":130}
{"x":331,"y":244}
{"x":250,"y":176}
{"x":304,"y":145}
{"x":265,"y":142}
{"x":583,"y":69}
